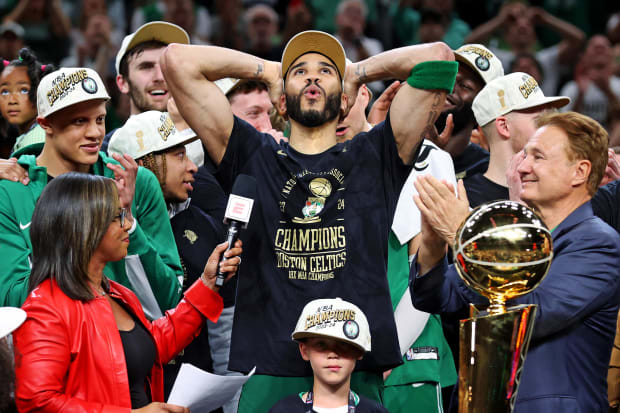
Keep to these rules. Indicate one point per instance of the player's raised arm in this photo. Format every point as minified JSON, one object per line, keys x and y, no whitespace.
{"x":428,"y":72}
{"x":190,"y":72}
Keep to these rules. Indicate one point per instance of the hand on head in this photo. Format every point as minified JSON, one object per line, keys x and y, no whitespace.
{"x":271,"y":73}
{"x":175,"y":115}
{"x":354,"y":77}
{"x":535,"y":15}
{"x":379,"y":110}
{"x":512,"y":11}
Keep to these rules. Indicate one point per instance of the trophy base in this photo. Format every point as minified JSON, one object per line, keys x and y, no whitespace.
{"x":492,"y":352}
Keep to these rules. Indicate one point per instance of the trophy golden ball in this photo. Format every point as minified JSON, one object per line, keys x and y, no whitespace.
{"x":502,"y":250}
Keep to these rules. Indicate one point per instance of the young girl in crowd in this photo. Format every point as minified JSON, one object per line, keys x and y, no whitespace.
{"x":19,"y":80}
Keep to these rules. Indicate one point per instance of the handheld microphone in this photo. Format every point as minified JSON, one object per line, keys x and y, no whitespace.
{"x":237,"y":214}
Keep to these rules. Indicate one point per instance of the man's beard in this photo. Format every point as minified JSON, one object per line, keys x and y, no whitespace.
{"x":141,"y":101}
{"x":462,"y":117}
{"x":312,"y":117}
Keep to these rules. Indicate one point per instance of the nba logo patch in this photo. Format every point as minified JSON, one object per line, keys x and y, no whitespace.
{"x":422,"y":353}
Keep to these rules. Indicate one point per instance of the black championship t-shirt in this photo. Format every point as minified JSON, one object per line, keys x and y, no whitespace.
{"x":319,"y":229}
{"x":295,"y":403}
{"x":481,"y":190}
{"x":606,"y":204}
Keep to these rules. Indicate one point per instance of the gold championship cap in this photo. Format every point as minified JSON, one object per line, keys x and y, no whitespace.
{"x":313,"y":41}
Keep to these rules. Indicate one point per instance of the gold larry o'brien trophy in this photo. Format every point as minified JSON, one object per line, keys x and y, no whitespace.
{"x":502,"y":250}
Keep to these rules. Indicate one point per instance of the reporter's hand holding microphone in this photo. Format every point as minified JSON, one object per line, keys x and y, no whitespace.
{"x":228,"y":265}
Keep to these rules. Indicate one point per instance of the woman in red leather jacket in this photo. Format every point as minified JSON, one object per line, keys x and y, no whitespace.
{"x":86,"y":345}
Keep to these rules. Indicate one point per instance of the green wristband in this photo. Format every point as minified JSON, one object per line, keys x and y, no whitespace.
{"x":435,"y":74}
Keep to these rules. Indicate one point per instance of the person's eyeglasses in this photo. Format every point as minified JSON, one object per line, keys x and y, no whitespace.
{"x":121,"y":217}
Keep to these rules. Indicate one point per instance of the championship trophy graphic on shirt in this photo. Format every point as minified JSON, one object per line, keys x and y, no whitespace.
{"x":502,"y":250}
{"x":321,"y":189}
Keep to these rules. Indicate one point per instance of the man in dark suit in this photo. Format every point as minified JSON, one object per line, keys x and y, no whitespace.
{"x":566,"y":367}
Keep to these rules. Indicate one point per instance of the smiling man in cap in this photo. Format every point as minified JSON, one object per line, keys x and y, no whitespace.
{"x":138,"y":73}
{"x":137,"y":65}
{"x":506,"y":110}
{"x":477,"y":66}
{"x":71,"y":109}
{"x":323,"y":211}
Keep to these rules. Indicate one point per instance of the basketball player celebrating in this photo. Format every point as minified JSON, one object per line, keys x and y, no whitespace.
{"x":324,"y":209}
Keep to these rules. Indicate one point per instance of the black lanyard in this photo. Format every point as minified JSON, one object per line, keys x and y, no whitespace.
{"x":309,"y":402}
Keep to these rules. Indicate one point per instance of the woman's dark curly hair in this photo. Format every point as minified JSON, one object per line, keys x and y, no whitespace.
{"x":34,"y":68}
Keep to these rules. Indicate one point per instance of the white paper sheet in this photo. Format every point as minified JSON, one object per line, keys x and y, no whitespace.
{"x":202,"y":391}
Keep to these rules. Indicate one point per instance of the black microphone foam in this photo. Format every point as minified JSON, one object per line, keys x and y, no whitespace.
{"x":245,"y":186}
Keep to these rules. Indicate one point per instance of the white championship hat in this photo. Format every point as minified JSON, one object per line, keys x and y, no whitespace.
{"x":148,"y":132}
{"x":68,"y":86}
{"x":515,"y":91}
{"x":481,"y":60}
{"x":227,"y":84}
{"x":335,"y":318}
{"x":161,"y":31}
{"x":10,"y":319}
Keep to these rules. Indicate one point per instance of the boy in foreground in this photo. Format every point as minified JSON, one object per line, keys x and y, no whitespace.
{"x":332,"y":335}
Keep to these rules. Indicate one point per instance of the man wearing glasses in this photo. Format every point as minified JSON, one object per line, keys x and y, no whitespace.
{"x":71,"y":109}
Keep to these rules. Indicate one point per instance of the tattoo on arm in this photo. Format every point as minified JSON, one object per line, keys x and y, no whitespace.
{"x":360,"y":72}
{"x":429,"y":129}
{"x":260,"y":69}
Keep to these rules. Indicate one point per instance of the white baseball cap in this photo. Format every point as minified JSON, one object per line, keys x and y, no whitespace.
{"x":227,"y":84}
{"x":515,"y":91}
{"x":481,"y":60}
{"x":148,"y":132}
{"x":12,"y":27}
{"x":335,"y":318}
{"x":68,"y":86}
{"x":10,"y":319}
{"x":161,"y":31}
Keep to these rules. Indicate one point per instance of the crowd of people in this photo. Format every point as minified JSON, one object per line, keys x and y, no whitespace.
{"x":371,"y":129}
